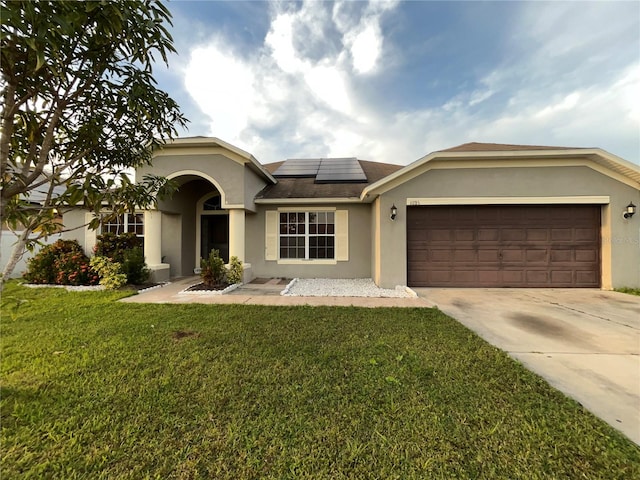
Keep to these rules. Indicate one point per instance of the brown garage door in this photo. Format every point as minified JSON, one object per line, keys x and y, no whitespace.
{"x":504,"y":246}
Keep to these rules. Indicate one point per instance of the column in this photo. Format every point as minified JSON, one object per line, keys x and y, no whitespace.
{"x":236,"y":234}
{"x":153,"y":246}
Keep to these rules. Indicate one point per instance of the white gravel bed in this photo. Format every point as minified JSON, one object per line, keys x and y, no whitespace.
{"x":330,"y":287}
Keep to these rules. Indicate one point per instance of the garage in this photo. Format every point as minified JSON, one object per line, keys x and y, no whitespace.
{"x":504,"y":246}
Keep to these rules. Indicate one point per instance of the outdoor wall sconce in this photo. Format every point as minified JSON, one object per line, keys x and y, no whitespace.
{"x":394,"y":212}
{"x":629,"y":211}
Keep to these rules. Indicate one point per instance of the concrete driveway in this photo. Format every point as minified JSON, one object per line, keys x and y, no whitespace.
{"x":584,"y":342}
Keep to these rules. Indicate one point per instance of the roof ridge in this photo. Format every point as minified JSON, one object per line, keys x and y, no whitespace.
{"x":488,"y":146}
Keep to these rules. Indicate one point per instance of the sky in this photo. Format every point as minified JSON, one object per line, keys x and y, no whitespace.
{"x":392,"y":81}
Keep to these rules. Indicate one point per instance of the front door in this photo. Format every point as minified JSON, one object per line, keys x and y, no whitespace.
{"x":214,"y":234}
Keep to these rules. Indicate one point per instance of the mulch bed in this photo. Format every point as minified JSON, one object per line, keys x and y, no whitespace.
{"x":201,"y":287}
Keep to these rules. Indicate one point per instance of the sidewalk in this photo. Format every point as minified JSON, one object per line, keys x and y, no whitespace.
{"x":263,"y":294}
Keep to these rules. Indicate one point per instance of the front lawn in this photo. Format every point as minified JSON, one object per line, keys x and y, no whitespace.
{"x":97,"y":389}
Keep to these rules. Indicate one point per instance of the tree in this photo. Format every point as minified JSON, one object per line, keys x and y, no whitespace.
{"x":80,"y":109}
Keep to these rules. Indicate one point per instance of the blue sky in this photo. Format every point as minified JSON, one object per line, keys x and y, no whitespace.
{"x":393,"y":81}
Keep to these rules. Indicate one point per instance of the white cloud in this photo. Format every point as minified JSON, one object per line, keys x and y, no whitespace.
{"x":222,"y":86}
{"x":366,"y":48}
{"x":329,"y":85}
{"x":280,"y":39}
{"x":299,"y":94}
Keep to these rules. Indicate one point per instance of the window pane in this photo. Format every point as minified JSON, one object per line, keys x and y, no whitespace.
{"x":283,"y":218}
{"x":301,"y":217}
{"x":330,"y":229}
{"x":330,"y":217}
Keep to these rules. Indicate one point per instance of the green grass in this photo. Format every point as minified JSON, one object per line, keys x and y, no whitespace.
{"x":95,"y":389}
{"x":630,"y":291}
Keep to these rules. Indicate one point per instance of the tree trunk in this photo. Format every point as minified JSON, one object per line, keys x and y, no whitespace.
{"x":16,"y":255}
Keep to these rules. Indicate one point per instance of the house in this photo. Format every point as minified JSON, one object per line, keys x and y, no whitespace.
{"x":36,"y":199}
{"x":476,"y":215}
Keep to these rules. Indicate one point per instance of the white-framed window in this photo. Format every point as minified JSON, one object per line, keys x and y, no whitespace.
{"x":128,"y":222}
{"x":307,"y":235}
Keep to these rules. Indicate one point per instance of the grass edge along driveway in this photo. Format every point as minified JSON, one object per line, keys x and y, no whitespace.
{"x":92,"y":388}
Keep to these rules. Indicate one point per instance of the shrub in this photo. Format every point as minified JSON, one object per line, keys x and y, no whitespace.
{"x":134,"y":266}
{"x":125,"y":249}
{"x":236,"y":271}
{"x":213,"y":272}
{"x":110,"y":272}
{"x":62,"y":263}
{"x":114,"y":246}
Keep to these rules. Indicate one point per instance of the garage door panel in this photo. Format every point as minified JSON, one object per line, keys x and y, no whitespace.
{"x":488,"y":234}
{"x":464,"y":235}
{"x":585,"y":278}
{"x":561,"y":276}
{"x":441,"y":255}
{"x":561,"y":234}
{"x":511,"y":255}
{"x":440,"y":235}
{"x":489,"y":255}
{"x":512,"y":278}
{"x":589,"y":256}
{"x":513,"y":234}
{"x":537,"y":234}
{"x":488,"y":277}
{"x":465,"y":256}
{"x":497,"y":246}
{"x":537,"y":256}
{"x":537,"y":277}
{"x":559,"y":256}
{"x":585,"y":234}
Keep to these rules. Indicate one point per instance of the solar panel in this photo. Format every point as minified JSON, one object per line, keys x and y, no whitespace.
{"x":298,"y":168}
{"x":340,"y":170}
{"x":324,"y":170}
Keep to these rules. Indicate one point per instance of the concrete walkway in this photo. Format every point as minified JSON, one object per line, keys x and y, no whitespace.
{"x":584,"y":342}
{"x":262,"y":294}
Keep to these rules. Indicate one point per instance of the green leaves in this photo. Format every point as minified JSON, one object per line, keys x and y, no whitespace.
{"x":80,"y":105}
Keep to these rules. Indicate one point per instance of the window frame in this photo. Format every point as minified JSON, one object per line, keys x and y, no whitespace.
{"x":305,"y":220}
{"x":124,"y":225}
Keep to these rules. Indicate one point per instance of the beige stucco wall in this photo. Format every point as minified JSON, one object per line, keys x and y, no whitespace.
{"x":73,"y":222}
{"x":562,"y":181}
{"x":358,"y":265}
{"x":199,"y":172}
{"x":226,"y":174}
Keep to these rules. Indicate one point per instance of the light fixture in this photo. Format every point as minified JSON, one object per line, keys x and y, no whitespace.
{"x":394,"y":212}
{"x":629,"y":211}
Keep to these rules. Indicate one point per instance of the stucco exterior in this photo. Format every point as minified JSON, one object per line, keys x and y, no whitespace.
{"x":358,"y":264}
{"x":507,"y":184}
{"x":368,"y":242}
